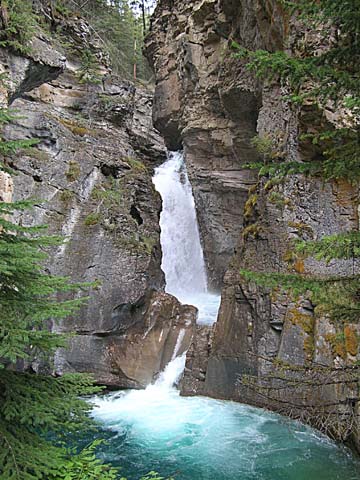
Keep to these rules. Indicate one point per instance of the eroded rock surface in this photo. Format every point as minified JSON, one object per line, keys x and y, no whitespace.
{"x":90,"y":174}
{"x":208,"y":102}
{"x":200,"y":106}
{"x":145,"y":337}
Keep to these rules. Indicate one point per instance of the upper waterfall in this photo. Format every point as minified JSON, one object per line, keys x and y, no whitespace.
{"x":183,"y":259}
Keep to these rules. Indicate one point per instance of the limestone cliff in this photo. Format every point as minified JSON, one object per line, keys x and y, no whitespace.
{"x":90,"y":175}
{"x":210,"y":104}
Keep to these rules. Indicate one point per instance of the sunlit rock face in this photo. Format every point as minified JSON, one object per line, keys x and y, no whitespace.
{"x":207,"y":101}
{"x":92,"y":171}
{"x":144,"y":338}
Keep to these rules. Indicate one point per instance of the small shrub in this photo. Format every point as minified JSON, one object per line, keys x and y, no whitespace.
{"x":66,"y":196}
{"x":89,"y":71}
{"x":76,"y":128}
{"x":109,"y":194}
{"x":135,"y":164}
{"x":73,"y":172}
{"x":148,"y":243}
{"x":337,"y":342}
{"x":62,"y":10}
{"x":301,"y":227}
{"x":85,"y":466}
{"x":351,"y":340}
{"x":277,"y":199}
{"x":92,"y":219}
{"x":264,"y":145}
{"x":250,"y":205}
{"x":252,"y":230}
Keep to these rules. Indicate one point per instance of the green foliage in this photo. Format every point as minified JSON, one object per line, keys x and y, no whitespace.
{"x":341,"y":246}
{"x":135,"y":164}
{"x":280,"y":170}
{"x":331,"y":75}
{"x":148,"y":243}
{"x":277,"y":199}
{"x":92,"y":219}
{"x":10,"y":147}
{"x":334,"y":296}
{"x":109,"y":194}
{"x":19,"y":24}
{"x":38,"y":413}
{"x":89,"y":70}
{"x":264,"y":145}
{"x":33,"y":406}
{"x":317,"y":78}
{"x":73,"y":171}
{"x":250,"y":206}
{"x":120,"y":29}
{"x":66,"y":196}
{"x":154,"y":476}
{"x":85,"y":466}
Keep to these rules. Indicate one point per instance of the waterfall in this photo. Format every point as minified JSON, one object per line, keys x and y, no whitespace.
{"x":183,"y":258}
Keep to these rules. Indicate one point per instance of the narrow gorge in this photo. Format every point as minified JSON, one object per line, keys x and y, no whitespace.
{"x":225,"y":340}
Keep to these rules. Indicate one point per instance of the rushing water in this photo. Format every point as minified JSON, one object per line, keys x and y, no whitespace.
{"x":197,"y":438}
{"x":200,"y":438}
{"x":183,"y":259}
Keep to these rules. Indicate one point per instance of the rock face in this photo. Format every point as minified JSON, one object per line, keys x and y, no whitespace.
{"x":201,"y":107}
{"x":197,"y":357}
{"x":210,"y":104}
{"x":145,"y":337}
{"x":92,"y":170}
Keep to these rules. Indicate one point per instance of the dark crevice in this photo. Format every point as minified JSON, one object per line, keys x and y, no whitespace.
{"x":134,"y":212}
{"x":113,"y":170}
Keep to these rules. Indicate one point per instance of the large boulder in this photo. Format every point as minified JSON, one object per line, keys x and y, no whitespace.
{"x":145,"y":337}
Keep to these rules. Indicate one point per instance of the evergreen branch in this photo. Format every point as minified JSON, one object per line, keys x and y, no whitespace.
{"x":340,"y":246}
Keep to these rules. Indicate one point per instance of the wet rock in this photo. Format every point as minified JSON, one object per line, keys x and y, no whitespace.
{"x":193,"y":380}
{"x":145,"y":336}
{"x":217,"y":106}
{"x":196,"y":107}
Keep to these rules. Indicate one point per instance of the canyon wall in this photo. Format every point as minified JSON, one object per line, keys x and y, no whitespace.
{"x":208,"y":102}
{"x":90,"y":178}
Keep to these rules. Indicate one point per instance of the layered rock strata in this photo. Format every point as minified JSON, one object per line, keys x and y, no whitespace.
{"x":203,"y":108}
{"x":208,"y":102}
{"x":90,"y":177}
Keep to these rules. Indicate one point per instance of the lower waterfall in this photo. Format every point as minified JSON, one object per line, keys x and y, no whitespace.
{"x":198,"y":438}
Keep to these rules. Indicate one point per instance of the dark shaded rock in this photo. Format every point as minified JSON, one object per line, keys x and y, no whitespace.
{"x":193,"y":380}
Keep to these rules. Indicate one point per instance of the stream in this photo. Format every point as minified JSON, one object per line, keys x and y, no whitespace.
{"x":198,"y":438}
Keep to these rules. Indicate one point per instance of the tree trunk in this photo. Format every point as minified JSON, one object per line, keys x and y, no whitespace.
{"x":4,"y":14}
{"x":143,"y":15}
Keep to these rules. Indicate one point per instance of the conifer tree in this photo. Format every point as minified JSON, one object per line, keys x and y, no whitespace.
{"x":38,"y":412}
{"x":121,"y":25}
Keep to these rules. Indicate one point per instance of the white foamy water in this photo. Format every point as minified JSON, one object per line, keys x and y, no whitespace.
{"x":183,"y":259}
{"x":143,"y":405}
{"x":198,"y":438}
